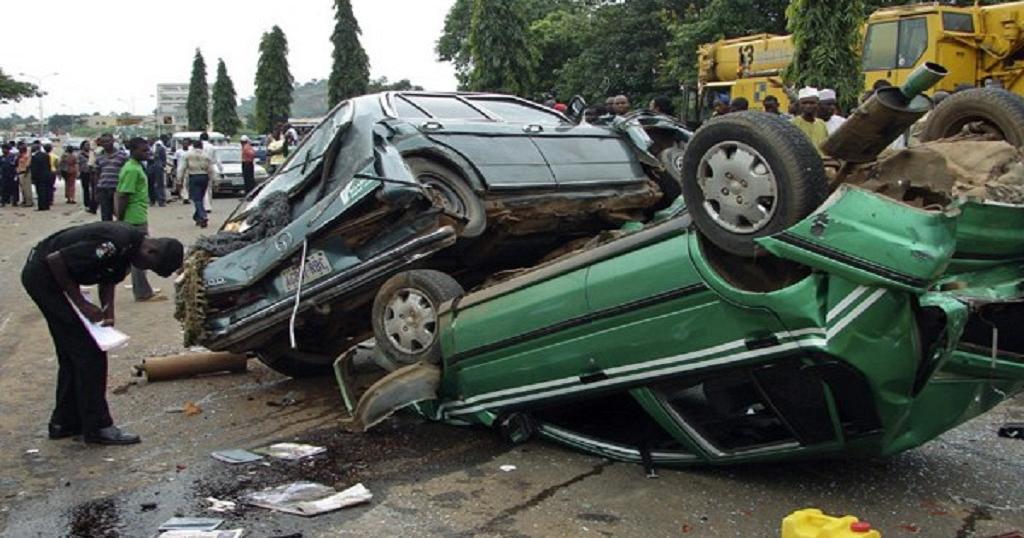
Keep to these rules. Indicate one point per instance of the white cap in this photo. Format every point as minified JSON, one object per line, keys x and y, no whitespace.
{"x":808,"y":92}
{"x":244,"y":138}
{"x":827,"y":95}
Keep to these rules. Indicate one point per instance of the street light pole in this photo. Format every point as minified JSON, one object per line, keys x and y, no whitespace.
{"x":39,"y":84}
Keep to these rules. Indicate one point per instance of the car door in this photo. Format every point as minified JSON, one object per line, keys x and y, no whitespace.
{"x":503,"y":153}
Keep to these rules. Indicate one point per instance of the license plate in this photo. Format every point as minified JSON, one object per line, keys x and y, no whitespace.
{"x":317,"y":267}
{"x":237,"y":181}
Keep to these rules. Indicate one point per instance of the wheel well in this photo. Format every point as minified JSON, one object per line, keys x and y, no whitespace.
{"x":466,"y":172}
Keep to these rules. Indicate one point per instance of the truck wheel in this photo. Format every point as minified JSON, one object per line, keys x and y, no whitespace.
{"x":293,"y":366}
{"x":748,"y":175}
{"x":405,"y":314}
{"x":986,"y":110}
{"x":455,"y":194}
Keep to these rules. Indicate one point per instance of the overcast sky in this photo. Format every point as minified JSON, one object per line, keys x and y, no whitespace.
{"x":110,"y":55}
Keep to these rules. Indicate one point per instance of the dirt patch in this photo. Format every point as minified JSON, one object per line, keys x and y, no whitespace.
{"x":95,"y":519}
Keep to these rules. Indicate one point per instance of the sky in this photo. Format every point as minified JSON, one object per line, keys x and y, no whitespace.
{"x":110,"y":55}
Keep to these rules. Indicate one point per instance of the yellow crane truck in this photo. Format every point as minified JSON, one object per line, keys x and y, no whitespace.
{"x":979,"y":45}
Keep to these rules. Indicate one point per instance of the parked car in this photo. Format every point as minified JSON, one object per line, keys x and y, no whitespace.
{"x":867,"y":327}
{"x":469,"y":184}
{"x":230,"y":181}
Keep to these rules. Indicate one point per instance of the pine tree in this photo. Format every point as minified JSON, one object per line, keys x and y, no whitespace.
{"x":273,"y":81}
{"x":198,"y":104}
{"x":502,"y":55}
{"x":225,"y":115}
{"x":826,"y":40}
{"x":350,"y":72}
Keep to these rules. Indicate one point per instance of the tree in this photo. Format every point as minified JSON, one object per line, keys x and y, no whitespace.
{"x":350,"y":71}
{"x":198,"y":104}
{"x":225,"y":118}
{"x":382,"y":84}
{"x":500,"y":49}
{"x":273,"y":81}
{"x":826,"y":43}
{"x":15,"y":90}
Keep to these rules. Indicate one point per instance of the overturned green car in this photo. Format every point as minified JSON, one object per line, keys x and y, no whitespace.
{"x":769,"y":319}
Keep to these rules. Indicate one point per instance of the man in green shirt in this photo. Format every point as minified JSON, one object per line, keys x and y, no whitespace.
{"x":131,"y":206}
{"x":808,"y":120}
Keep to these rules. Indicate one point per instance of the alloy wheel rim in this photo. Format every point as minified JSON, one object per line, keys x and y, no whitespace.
{"x":739,"y":187}
{"x":410,"y":321}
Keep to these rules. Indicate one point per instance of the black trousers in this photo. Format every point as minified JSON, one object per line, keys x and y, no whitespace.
{"x":105,"y":198}
{"x":82,"y":366}
{"x":9,"y":191}
{"x":44,"y":192}
{"x":85,"y":179}
{"x":249,"y":176}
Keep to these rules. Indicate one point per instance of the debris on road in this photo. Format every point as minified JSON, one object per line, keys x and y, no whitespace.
{"x":147,"y":507}
{"x":191,"y":364}
{"x":190,"y":524}
{"x":508,"y":468}
{"x":217,"y":505}
{"x":235,"y":455}
{"x":291,"y":398}
{"x":191,"y":409}
{"x":1012,"y":430}
{"x":291,"y":451}
{"x":32,"y":451}
{"x":308,"y":498}
{"x":233,"y":533}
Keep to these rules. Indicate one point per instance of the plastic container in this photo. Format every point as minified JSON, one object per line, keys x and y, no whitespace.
{"x":812,"y":523}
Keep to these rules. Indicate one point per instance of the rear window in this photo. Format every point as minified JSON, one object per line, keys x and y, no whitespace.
{"x":444,"y":107}
{"x":958,"y":22}
{"x":515,"y":112}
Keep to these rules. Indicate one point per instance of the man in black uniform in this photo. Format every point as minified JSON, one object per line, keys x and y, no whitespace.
{"x":98,"y":253}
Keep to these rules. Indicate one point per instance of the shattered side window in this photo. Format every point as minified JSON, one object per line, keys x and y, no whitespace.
{"x":307,"y":155}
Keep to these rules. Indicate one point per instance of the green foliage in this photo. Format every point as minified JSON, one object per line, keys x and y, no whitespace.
{"x":15,"y":90}
{"x":350,"y":71}
{"x":273,"y":81}
{"x":225,"y":118}
{"x":198,"y":104}
{"x":453,"y":45}
{"x":61,"y":122}
{"x":309,"y":99}
{"x":558,"y":38}
{"x":503,"y":57}
{"x":827,"y":39}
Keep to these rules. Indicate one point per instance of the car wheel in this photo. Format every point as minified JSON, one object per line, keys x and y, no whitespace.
{"x":454,"y":193}
{"x":671,"y":183}
{"x":405,"y":314}
{"x":985,"y":110}
{"x":294,"y":366}
{"x":748,"y":175}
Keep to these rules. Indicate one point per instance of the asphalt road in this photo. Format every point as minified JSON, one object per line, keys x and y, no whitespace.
{"x":427,"y":479}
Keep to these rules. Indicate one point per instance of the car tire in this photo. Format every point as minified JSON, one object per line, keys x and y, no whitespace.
{"x":456,"y":194}
{"x":671,"y":182}
{"x":291,"y":366}
{"x":758,"y":155}
{"x":405,"y":323}
{"x":998,"y":109}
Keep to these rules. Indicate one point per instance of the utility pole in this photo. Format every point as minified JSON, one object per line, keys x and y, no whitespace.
{"x":39,"y":84}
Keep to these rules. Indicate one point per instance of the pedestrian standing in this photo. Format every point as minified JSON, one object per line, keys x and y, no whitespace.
{"x":739,"y":104}
{"x":131,"y":206}
{"x":198,"y":169}
{"x":42,"y":176}
{"x":97,"y":253}
{"x":218,"y":169}
{"x":828,"y":110}
{"x":248,"y":164}
{"x":621,"y":105}
{"x":277,"y":150}
{"x":69,"y":171}
{"x":24,"y":175}
{"x":155,"y":173}
{"x":108,"y":166}
{"x":8,"y":175}
{"x":808,"y":120}
{"x":87,"y":175}
{"x":180,"y":180}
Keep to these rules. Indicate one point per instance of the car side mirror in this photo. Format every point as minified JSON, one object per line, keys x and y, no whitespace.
{"x":575,"y":109}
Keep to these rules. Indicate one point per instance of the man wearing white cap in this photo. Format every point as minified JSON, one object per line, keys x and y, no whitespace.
{"x":248,"y":164}
{"x":828,"y":110}
{"x":808,"y":120}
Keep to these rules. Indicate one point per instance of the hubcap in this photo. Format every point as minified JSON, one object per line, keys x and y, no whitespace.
{"x":739,"y":187}
{"x":450,"y":199}
{"x":410,"y":321}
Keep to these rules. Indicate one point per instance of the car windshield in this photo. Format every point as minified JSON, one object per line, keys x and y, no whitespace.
{"x":230,"y":155}
{"x":306,"y":156}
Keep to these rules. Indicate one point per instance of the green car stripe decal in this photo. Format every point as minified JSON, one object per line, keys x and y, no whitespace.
{"x":852,"y":260}
{"x":725,"y":353}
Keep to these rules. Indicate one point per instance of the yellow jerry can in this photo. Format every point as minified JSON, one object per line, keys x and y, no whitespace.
{"x":812,"y":523}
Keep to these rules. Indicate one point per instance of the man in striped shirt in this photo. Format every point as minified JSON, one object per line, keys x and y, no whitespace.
{"x":108,"y":166}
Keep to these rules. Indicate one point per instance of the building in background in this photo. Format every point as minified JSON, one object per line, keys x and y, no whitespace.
{"x":171,"y":111}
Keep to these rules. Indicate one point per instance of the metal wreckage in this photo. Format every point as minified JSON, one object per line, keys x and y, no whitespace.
{"x":633,"y":289}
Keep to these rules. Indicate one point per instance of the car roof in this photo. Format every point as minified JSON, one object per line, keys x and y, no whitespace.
{"x":387,"y":98}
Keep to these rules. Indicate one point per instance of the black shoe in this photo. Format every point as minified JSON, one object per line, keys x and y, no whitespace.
{"x":59,"y":431}
{"x":112,"y":435}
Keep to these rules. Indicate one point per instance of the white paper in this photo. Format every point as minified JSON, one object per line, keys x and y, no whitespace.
{"x":308,"y":498}
{"x":233,"y":533}
{"x":106,"y":338}
{"x":291,"y":451}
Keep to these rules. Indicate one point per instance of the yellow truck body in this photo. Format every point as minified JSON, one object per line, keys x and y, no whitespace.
{"x":979,"y":45}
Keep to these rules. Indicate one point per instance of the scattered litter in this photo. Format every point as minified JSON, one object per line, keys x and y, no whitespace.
{"x":291,"y":398}
{"x":190,"y":524}
{"x":190,"y":364}
{"x":109,"y":460}
{"x":147,"y":507}
{"x":233,"y":533}
{"x":291,"y":451}
{"x":235,"y":455}
{"x":171,"y":410}
{"x":308,"y":498}
{"x":32,"y":451}
{"x":191,"y":409}
{"x":217,"y":505}
{"x":1012,"y":430}
{"x":508,"y":468}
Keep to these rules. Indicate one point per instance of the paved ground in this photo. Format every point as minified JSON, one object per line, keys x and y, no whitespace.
{"x":428,"y":479}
